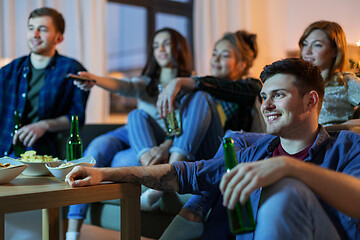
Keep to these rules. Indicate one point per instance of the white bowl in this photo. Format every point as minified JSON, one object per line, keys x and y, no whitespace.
{"x":9,"y":173}
{"x":37,"y":168}
{"x":61,"y":172}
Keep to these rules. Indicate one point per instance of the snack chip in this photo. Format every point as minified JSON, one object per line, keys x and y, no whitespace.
{"x":30,"y":156}
{"x":4,"y":165}
{"x":66,"y":164}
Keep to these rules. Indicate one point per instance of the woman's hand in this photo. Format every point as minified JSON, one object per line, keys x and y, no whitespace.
{"x":157,"y":155}
{"x":166,"y":98}
{"x":83,"y":85}
{"x":165,"y":102}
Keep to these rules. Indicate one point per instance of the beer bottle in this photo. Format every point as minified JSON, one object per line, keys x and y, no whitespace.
{"x":241,"y":219}
{"x":74,"y":147}
{"x":171,"y":123}
{"x":18,"y":147}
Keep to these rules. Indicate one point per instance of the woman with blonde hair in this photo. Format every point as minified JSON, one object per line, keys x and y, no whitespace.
{"x":324,"y":44}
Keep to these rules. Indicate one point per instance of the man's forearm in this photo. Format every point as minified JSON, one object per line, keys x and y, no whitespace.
{"x":161,"y":177}
{"x":56,"y":124}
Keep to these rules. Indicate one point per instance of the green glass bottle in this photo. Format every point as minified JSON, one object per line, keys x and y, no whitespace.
{"x":18,"y":147}
{"x":241,"y":219}
{"x":171,"y":123}
{"x":74,"y":147}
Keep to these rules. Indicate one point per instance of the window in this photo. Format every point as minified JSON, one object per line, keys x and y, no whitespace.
{"x":130,"y":26}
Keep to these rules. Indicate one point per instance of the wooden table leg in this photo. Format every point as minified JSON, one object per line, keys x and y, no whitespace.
{"x":50,"y":224}
{"x":130,"y":219}
{"x":2,"y":226}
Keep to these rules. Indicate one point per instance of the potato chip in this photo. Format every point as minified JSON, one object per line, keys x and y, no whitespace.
{"x":30,"y":156}
{"x":4,"y":165}
{"x":66,"y":164}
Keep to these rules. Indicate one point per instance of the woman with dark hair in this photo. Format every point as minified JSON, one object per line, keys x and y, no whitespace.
{"x":324,"y":44}
{"x":168,"y":58}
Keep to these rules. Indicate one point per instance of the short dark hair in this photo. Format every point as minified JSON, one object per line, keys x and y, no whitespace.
{"x":57,"y":18}
{"x":307,"y":76}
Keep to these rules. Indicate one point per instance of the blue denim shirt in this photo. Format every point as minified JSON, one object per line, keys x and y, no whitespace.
{"x":340,"y":153}
{"x":58,"y":96}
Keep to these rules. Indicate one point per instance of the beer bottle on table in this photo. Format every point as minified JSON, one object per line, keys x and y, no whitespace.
{"x":171,"y":123}
{"x":18,"y":147}
{"x":74,"y":147}
{"x":241,"y":219}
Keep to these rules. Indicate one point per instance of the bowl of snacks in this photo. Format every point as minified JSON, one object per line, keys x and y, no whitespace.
{"x":10,"y":169}
{"x":36,"y":163}
{"x":62,"y":168}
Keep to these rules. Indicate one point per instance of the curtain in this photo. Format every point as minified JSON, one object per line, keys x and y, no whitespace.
{"x":267,"y":19}
{"x":84,"y":39}
{"x":212,"y":18}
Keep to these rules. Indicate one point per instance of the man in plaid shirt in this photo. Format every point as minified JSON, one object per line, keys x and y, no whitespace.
{"x":36,"y":86}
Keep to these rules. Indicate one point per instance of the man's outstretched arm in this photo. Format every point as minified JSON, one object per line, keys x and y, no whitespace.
{"x":161,"y":177}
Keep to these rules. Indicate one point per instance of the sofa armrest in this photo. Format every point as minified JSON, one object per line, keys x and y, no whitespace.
{"x":339,"y":127}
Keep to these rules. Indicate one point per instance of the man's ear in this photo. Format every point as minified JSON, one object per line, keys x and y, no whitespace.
{"x":59,"y":38}
{"x":312,"y":100}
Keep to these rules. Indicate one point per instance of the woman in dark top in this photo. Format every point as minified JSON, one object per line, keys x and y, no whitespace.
{"x":233,"y":56}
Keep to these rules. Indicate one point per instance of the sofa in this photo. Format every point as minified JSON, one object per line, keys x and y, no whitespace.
{"x":107,"y":214}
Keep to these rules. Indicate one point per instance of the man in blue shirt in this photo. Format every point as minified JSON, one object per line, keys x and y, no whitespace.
{"x":302,"y":181}
{"x":37,"y":87}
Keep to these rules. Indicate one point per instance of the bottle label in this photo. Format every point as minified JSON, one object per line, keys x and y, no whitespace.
{"x":172,"y":124}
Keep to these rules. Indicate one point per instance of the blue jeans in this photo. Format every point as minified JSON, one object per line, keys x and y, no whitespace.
{"x":290,"y":210}
{"x":111,"y":149}
{"x":201,"y":129}
{"x":106,"y":148}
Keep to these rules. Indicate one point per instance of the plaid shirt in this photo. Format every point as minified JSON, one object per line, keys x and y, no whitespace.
{"x":236,"y":98}
{"x":57,"y":97}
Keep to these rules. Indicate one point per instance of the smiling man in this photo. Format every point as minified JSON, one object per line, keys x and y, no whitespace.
{"x":303,"y":182}
{"x":36,"y":87}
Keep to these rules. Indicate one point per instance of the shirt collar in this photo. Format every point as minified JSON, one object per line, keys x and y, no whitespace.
{"x":321,"y":139}
{"x":52,"y":63}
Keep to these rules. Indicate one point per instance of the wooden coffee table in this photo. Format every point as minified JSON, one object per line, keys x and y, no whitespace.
{"x":26,"y":193}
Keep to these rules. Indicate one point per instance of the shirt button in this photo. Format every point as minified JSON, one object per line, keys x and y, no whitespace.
{"x":5,"y":153}
{"x":11,"y":134}
{"x":23,"y":95}
{"x":24,"y":75}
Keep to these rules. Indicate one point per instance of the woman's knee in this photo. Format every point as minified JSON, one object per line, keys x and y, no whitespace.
{"x":136,"y":113}
{"x":202,"y":97}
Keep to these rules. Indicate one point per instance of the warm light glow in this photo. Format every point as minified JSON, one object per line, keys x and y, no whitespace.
{"x":4,"y":61}
{"x":358,"y":43}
